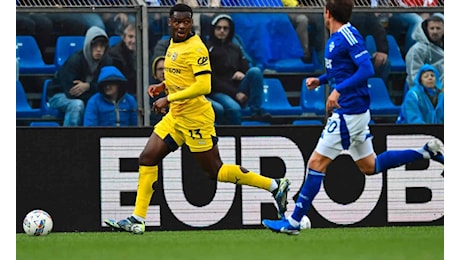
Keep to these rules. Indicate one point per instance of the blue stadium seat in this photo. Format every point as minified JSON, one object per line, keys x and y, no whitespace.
{"x":47,"y":111}
{"x":114,"y":39}
{"x":30,"y":57}
{"x":255,"y":123}
{"x":381,"y":104}
{"x":44,"y":124}
{"x":66,"y":46}
{"x":275,"y":100}
{"x":397,"y":63}
{"x":295,"y":65}
{"x":23,"y":108}
{"x":307,"y":122}
{"x":313,"y":101}
{"x":370,"y":44}
{"x":272,"y":42}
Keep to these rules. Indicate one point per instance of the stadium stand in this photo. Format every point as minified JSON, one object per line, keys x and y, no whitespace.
{"x":275,"y":100}
{"x":280,"y":56}
{"x":114,"y":39}
{"x":394,"y":53}
{"x":307,"y":122}
{"x":66,"y":46}
{"x":47,"y":111}
{"x":29,"y":56}
{"x":381,"y":104}
{"x":313,"y":102}
{"x":23,"y":109}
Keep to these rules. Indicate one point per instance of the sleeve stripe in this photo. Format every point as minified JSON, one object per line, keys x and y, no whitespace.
{"x":202,"y":72}
{"x":351,"y":39}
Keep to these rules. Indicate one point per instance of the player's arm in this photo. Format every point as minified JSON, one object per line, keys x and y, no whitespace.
{"x":202,"y":86}
{"x":365,"y":71}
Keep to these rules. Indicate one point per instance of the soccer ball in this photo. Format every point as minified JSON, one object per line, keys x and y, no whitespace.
{"x":305,"y":223}
{"x":37,"y":223}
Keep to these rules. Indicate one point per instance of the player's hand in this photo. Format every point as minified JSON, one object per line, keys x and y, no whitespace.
{"x":159,"y":106}
{"x":312,"y":83}
{"x":156,"y":89}
{"x":332,"y":101}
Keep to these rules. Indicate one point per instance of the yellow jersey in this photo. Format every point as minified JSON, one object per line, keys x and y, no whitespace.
{"x":183,"y":62}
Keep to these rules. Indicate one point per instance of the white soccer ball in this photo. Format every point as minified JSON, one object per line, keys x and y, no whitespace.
{"x":37,"y":223}
{"x":305,"y":223}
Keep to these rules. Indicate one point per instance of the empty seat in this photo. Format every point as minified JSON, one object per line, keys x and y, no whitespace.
{"x":66,"y":46}
{"x":114,"y":39}
{"x":381,"y":104}
{"x":23,"y":108}
{"x":295,"y":65}
{"x":44,"y":124}
{"x":275,"y":100}
{"x":272,"y":42}
{"x":307,"y":122}
{"x":394,"y":54}
{"x":30,"y":58}
{"x":255,"y":123}
{"x":313,"y":101}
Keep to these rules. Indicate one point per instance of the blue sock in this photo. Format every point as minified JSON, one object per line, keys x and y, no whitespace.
{"x":308,"y":192}
{"x":395,"y":158}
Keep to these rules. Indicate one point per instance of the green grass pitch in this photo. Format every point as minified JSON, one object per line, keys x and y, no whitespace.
{"x":424,"y":242}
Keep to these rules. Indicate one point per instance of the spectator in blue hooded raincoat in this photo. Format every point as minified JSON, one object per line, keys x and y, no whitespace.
{"x":112,"y":105}
{"x":424,"y":103}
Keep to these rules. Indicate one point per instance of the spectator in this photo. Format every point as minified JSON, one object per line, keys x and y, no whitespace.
{"x":399,"y":24}
{"x":234,"y":84}
{"x":112,"y":105}
{"x":160,"y":47}
{"x":158,"y":69}
{"x":429,"y":48}
{"x":75,"y":23}
{"x":76,"y":81}
{"x":424,"y":103}
{"x":123,"y":55}
{"x":368,"y":24}
{"x":300,"y":23}
{"x":115,"y":23}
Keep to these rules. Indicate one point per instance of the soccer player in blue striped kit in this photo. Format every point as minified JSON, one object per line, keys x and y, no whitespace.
{"x":348,"y":67}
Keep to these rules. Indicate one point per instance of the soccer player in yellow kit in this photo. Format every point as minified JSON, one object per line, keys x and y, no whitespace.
{"x":190,"y":121}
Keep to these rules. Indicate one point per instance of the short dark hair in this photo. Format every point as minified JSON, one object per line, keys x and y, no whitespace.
{"x":180,"y":8}
{"x":340,"y":10}
{"x":435,"y":18}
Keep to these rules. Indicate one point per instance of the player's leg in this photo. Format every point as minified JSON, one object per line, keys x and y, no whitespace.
{"x":161,"y":143}
{"x":315,"y":173}
{"x":210,"y":161}
{"x":372,"y":164}
{"x":329,"y":147}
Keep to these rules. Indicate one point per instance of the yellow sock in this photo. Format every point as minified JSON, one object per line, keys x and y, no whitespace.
{"x":148,"y":176}
{"x":240,"y":176}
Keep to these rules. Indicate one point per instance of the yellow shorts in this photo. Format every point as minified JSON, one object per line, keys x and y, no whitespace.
{"x":196,"y":131}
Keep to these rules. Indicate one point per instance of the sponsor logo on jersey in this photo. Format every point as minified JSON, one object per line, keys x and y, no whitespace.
{"x":203,"y":61}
